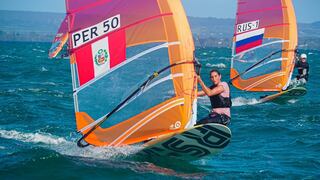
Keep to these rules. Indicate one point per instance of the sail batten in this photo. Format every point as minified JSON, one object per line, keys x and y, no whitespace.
{"x":145,"y":120}
{"x":99,"y":37}
{"x":135,"y":57}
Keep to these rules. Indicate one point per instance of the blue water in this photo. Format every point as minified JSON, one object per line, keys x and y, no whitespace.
{"x":37,"y":128}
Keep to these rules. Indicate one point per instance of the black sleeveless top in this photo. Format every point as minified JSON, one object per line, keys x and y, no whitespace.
{"x":218,"y":101}
{"x":302,"y":66}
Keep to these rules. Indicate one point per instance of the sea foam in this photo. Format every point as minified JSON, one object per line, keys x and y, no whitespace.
{"x":31,"y":137}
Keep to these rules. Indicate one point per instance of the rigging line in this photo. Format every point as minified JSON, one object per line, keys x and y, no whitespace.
{"x":116,"y":30}
{"x":133,"y":94}
{"x":280,"y":73}
{"x":264,"y":80}
{"x":271,"y":61}
{"x":169,"y":77}
{"x":259,"y":62}
{"x":151,"y":85}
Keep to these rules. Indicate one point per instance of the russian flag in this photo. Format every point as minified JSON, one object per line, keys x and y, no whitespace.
{"x":97,"y":58}
{"x":249,"y":40}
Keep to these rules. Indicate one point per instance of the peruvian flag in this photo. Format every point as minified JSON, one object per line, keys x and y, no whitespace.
{"x":97,"y":58}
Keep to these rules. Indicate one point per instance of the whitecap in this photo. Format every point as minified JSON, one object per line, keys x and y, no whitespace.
{"x":9,"y":57}
{"x":70,"y":148}
{"x":292,"y":101}
{"x":11,"y":90}
{"x":34,"y":89}
{"x":224,"y":58}
{"x":32,"y":137}
{"x":38,"y":50}
{"x":296,"y":83}
{"x":280,"y":120}
{"x":58,"y":95}
{"x":49,"y":83}
{"x":241,"y":101}
{"x":102,"y":153}
{"x":220,"y":65}
{"x":43,"y":69}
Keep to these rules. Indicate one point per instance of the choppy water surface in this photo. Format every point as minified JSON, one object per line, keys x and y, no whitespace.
{"x":37,"y":128}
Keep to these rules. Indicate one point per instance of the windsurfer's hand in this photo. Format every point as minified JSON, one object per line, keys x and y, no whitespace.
{"x":199,"y":79}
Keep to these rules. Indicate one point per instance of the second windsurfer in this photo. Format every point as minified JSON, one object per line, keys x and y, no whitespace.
{"x":219,"y":94}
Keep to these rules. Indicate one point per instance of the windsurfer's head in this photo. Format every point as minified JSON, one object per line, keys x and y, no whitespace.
{"x":303,"y":57}
{"x":215,"y":76}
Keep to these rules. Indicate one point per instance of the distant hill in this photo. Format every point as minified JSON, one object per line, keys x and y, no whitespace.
{"x":29,"y":26}
{"x":208,"y":32}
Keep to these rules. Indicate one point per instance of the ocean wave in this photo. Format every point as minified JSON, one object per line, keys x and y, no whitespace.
{"x":43,"y":69}
{"x":279,"y":120}
{"x":69,"y":147}
{"x":112,"y":157}
{"x":24,"y":90}
{"x":9,"y":57}
{"x":292,"y":101}
{"x":50,"y":83}
{"x":220,"y":65}
{"x":207,"y":53}
{"x":241,"y":101}
{"x":101,"y":153}
{"x":56,"y":93}
{"x":224,"y":58}
{"x":238,"y":101}
{"x":33,"y":89}
{"x":32,"y":137}
{"x":38,"y":50}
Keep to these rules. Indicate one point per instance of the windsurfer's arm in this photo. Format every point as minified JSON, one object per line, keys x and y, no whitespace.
{"x":208,"y":91}
{"x":201,"y":93}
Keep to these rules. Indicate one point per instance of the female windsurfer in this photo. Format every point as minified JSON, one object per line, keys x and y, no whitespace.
{"x":219,"y":94}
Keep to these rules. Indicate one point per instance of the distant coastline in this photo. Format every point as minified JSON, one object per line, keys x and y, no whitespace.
{"x":208,"y":32}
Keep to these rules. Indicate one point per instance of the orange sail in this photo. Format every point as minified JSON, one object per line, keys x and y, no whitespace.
{"x":132,"y":69}
{"x":60,"y":39}
{"x":264,"y":45}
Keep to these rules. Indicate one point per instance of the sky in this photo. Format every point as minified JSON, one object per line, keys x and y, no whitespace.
{"x":306,"y":10}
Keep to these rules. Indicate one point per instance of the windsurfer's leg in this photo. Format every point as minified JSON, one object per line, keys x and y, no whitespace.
{"x":215,"y":118}
{"x":204,"y":120}
{"x":225,"y":119}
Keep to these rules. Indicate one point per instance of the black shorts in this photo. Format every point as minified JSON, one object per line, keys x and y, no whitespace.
{"x":215,"y":118}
